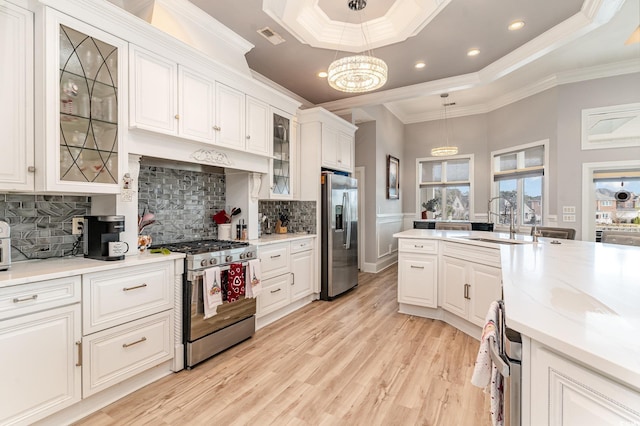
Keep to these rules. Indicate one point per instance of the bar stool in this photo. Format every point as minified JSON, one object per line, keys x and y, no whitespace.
{"x":453,"y":226}
{"x":621,"y":237}
{"x":551,"y":232}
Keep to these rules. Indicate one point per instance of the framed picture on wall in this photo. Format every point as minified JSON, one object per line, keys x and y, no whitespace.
{"x":393,"y":178}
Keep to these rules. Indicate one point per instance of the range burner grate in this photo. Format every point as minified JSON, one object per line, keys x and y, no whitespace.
{"x":203,"y":246}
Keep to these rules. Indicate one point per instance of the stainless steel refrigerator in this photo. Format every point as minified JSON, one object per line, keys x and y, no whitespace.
{"x":339,"y":219}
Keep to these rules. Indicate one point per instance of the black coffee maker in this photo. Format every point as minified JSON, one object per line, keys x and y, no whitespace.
{"x":99,"y":231}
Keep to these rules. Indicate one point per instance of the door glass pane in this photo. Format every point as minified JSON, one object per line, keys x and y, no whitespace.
{"x":88,"y":109}
{"x":457,"y":170}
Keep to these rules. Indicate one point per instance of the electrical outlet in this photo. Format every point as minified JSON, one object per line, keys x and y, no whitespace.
{"x":77,"y":225}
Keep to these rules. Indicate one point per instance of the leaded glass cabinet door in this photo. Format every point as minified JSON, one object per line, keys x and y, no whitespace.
{"x":88,"y":92}
{"x":281,"y":184}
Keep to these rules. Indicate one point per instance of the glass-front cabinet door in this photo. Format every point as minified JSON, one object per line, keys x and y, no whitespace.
{"x":282,"y":167}
{"x":89,"y":90}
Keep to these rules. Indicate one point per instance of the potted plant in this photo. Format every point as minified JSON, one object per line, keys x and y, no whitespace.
{"x":429,"y":207}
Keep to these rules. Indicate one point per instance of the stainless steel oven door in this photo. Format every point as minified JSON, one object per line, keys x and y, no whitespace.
{"x":227,"y":313}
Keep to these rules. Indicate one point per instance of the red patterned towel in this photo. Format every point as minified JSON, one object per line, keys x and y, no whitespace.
{"x":235,"y":288}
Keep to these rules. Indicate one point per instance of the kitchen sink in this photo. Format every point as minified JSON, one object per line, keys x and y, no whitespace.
{"x":496,"y":240}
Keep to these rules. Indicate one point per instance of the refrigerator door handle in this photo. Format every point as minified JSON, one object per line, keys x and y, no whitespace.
{"x":347,"y":219}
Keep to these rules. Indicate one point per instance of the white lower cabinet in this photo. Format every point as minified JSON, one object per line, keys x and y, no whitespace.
{"x":288,"y":276}
{"x":564,"y":393}
{"x":127,"y":323}
{"x":418,"y":273}
{"x":113,"y":355}
{"x":39,"y":350}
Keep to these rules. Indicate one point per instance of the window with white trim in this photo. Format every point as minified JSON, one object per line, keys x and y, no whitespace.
{"x":518,"y":177}
{"x":448,"y":181}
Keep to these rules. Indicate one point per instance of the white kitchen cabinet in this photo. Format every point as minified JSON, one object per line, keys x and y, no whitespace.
{"x":80,"y":121}
{"x":195,"y":106}
{"x":40,"y":335}
{"x":418,"y":272}
{"x":302,"y":268}
{"x":121,"y":352}
{"x":229,"y":124}
{"x":468,"y":287}
{"x":280,"y":183}
{"x":338,"y":149}
{"x":275,"y":259}
{"x":16,"y":90}
{"x":258,"y":125}
{"x":275,"y":294}
{"x":564,"y":393}
{"x":154,"y":92}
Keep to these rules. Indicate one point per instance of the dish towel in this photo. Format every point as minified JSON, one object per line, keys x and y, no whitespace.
{"x":254,"y":286}
{"x":235,"y":288}
{"x":212,"y":291}
{"x":485,"y":373}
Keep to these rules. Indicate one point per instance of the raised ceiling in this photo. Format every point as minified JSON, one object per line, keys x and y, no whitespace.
{"x":557,"y":38}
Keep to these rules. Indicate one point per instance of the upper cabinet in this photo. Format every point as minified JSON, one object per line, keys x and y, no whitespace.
{"x":337,"y":149}
{"x":283,"y":165}
{"x":16,"y":91}
{"x":258,"y":125}
{"x":85,"y":82}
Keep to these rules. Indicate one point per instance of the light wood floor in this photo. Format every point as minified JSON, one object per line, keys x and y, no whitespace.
{"x":351,"y":361}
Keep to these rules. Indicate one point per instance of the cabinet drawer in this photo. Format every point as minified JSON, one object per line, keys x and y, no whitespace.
{"x":275,"y":260}
{"x":418,"y":246}
{"x":275,"y":294}
{"x":301,"y":245}
{"x":472,"y":253}
{"x":114,"y":355}
{"x":38,"y":296}
{"x":115,"y":297}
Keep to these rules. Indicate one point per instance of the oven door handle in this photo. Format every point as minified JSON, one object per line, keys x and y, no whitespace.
{"x":503,"y":367}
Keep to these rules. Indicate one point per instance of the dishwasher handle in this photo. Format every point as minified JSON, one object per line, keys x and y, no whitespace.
{"x":503,"y":367}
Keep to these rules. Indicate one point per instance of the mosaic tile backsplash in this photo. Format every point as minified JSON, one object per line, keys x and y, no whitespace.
{"x":183,"y":203}
{"x":302,"y":215}
{"x":41,"y":224}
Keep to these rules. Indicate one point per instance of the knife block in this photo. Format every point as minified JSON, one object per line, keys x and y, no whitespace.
{"x":280,"y":229}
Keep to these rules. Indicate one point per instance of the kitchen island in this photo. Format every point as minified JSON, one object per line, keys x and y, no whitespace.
{"x":576,"y":305}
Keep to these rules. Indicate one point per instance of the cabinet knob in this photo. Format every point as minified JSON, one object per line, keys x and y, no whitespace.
{"x":177,"y":116}
{"x":31,"y":169}
{"x":216,"y":128}
{"x":248,"y":137}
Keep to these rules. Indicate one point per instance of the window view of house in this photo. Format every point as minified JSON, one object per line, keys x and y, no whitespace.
{"x":444,"y":188}
{"x":612,"y":213}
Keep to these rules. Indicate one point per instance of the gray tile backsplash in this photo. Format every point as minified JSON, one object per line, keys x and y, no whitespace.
{"x":182,"y":201}
{"x":41,"y":224}
{"x":302,"y":214}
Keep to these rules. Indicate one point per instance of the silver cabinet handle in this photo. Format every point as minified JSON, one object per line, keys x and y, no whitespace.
{"x":216,"y":128}
{"x":126,"y":345}
{"x":248,"y":137}
{"x":79,"y":345}
{"x":293,"y":278}
{"x":417,"y":267}
{"x":276,"y":290}
{"x":275,"y":257}
{"x":31,"y":169}
{"x":466,"y":291}
{"x":134,"y":288}
{"x":25,"y":299}
{"x":417,"y":246}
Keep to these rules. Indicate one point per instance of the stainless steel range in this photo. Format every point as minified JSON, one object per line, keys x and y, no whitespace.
{"x":234,"y":322}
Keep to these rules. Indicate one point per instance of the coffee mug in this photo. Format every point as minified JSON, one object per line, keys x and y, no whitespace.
{"x":118,"y":248}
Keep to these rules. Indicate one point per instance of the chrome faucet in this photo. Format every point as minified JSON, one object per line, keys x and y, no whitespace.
{"x":512,"y":217}
{"x":536,"y":232}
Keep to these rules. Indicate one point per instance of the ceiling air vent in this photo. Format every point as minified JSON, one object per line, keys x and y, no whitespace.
{"x":271,"y":35}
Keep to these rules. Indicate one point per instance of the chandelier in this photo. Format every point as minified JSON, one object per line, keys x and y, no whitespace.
{"x":443,"y":151}
{"x":358,"y":73}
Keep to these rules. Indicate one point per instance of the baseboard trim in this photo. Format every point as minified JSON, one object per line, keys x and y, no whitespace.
{"x":374,"y":268}
{"x":267,"y":319}
{"x":440,"y":314}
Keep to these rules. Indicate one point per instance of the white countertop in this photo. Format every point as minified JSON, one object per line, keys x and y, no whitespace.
{"x":580,"y":298}
{"x":47,"y":269}
{"x":278,"y":238}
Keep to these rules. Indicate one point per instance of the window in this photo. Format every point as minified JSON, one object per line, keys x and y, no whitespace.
{"x":518,"y":181}
{"x":448,"y":181}
{"x":617,"y":196}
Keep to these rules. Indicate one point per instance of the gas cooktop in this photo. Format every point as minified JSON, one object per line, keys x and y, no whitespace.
{"x":203,"y":246}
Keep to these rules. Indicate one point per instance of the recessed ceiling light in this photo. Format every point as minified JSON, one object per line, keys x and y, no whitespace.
{"x":322,"y":74}
{"x":516,"y":25}
{"x":420,"y":65}
{"x":473,"y":52}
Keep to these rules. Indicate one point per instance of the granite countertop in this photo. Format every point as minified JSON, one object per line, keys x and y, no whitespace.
{"x":278,"y":238}
{"x":47,"y":269}
{"x":579,"y":298}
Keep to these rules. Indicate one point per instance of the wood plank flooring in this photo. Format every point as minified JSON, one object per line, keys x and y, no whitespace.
{"x":352,"y":361}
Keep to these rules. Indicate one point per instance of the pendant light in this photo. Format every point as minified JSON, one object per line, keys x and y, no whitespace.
{"x":358,"y":73}
{"x":447,"y":149}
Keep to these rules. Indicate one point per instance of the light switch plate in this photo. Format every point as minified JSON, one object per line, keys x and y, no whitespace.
{"x":568,"y":217}
{"x":569,"y":210}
